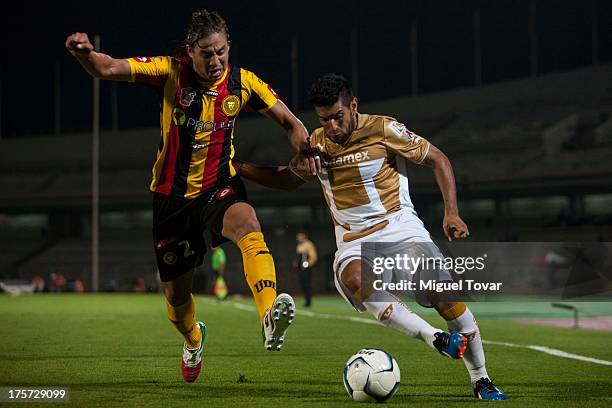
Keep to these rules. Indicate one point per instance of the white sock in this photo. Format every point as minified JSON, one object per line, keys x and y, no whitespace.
{"x":396,"y":315}
{"x":474,"y":357}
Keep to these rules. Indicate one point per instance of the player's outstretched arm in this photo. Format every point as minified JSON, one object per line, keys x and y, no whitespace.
{"x":279,"y":177}
{"x":95,"y":63}
{"x":298,"y":136}
{"x":453,"y":225}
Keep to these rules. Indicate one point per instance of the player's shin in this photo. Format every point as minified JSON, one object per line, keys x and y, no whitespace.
{"x":183,"y":318}
{"x":398,"y":316}
{"x":461,"y":320}
{"x":258,"y":270}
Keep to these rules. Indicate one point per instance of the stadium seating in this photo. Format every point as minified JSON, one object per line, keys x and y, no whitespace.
{"x":530,"y":157}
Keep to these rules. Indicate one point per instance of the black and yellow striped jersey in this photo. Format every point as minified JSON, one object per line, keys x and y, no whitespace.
{"x":197,"y":123}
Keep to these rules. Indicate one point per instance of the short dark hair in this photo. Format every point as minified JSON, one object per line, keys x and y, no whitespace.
{"x":328,"y":89}
{"x":204,"y":23}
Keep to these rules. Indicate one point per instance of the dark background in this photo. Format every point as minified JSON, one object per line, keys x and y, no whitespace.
{"x":33,"y":37}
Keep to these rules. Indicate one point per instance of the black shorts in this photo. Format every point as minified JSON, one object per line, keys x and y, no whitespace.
{"x":179,"y":225}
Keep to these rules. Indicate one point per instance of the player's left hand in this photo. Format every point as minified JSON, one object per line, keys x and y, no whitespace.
{"x":454,"y":227}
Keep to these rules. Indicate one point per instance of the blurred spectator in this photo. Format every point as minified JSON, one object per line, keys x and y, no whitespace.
{"x":306,"y":258}
{"x":139,"y":286}
{"x":58,"y":283}
{"x":39,"y":284}
{"x":110,"y":286}
{"x":217,"y":263}
{"x":79,"y":286}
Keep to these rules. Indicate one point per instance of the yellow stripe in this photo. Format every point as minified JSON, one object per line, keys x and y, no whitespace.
{"x":232,"y":169}
{"x":195,"y":179}
{"x":132,"y":70}
{"x":166,"y":121}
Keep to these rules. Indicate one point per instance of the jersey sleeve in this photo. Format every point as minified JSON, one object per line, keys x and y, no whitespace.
{"x":261,"y":96}
{"x":403,"y":142}
{"x":150,"y":70}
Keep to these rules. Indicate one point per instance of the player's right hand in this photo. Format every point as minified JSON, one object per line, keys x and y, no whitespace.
{"x":309,"y":159}
{"x":454,"y":227}
{"x":79,"y":44}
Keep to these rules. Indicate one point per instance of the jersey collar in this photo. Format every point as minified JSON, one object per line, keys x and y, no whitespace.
{"x":222,"y":77}
{"x":362,"y":118}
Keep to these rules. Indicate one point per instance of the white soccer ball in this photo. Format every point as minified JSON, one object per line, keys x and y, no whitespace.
{"x":371,"y":375}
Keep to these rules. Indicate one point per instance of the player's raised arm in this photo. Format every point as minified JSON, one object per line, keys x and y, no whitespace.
{"x":453,"y":225}
{"x":95,"y":63}
{"x":279,"y":177}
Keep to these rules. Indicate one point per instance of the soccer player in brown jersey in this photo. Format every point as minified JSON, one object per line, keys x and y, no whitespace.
{"x":195,"y":185}
{"x":365,"y":185}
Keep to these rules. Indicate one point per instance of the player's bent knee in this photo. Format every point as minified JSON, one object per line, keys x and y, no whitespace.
{"x":250,"y":225}
{"x":239,"y":220}
{"x":352,"y":280}
{"x":449,"y":310}
{"x":243,"y":230}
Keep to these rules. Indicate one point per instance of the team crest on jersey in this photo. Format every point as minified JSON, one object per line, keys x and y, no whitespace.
{"x":230,"y":105}
{"x":143,"y":59}
{"x":178,"y":117}
{"x":386,"y":314}
{"x":187,"y":97}
{"x":400,"y":130}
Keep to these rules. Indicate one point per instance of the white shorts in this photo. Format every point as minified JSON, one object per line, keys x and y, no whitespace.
{"x":404,"y":226}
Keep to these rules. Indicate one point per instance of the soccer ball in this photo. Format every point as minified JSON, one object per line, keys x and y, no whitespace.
{"x":371,"y":375}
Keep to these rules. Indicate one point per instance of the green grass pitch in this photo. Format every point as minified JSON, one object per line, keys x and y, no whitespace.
{"x":120,"y":350}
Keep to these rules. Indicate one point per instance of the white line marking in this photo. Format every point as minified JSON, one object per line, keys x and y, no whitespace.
{"x":551,"y":351}
{"x":243,"y":307}
{"x":331,"y":316}
{"x":543,"y":349}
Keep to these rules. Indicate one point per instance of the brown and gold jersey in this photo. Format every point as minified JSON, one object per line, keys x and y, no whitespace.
{"x":197,"y":123}
{"x":365,"y":179}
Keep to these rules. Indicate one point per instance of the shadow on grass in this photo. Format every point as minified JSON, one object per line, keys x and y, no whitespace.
{"x":180,"y":391}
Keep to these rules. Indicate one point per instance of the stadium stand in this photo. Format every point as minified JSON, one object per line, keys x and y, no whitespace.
{"x":531,"y":158}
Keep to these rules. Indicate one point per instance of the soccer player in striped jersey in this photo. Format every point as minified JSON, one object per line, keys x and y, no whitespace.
{"x":195,"y":185}
{"x":365,"y":186}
